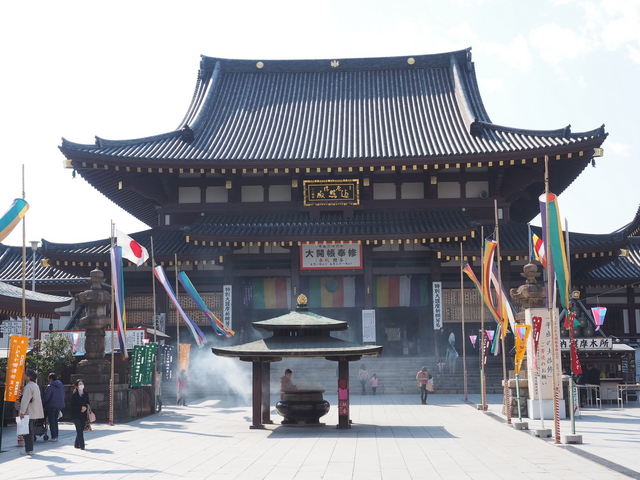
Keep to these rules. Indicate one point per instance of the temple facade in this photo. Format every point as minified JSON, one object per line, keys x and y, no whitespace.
{"x":362,"y":183}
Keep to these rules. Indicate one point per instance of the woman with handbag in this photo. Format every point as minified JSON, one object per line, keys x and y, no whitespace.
{"x":79,"y":408}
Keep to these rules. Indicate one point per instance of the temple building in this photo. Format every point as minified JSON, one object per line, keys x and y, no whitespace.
{"x":357,"y":182}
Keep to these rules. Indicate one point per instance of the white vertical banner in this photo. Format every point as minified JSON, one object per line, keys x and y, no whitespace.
{"x":437,"y":305}
{"x":368,"y":326}
{"x":227,"y":313}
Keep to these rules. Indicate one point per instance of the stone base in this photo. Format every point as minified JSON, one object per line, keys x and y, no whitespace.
{"x":521,"y":425}
{"x":542,"y":432}
{"x":533,"y":409}
{"x":572,"y":439}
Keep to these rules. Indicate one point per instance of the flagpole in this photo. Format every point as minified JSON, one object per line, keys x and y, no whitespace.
{"x":464,"y":341}
{"x":177,"y":328}
{"x":570,"y":390}
{"x":156,"y":378}
{"x":111,"y":381}
{"x":24,"y":265}
{"x":483,"y":378}
{"x":503,"y":332}
{"x":551,"y":305}
{"x":536,"y":349}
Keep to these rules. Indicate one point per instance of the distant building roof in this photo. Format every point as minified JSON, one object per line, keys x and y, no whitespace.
{"x":37,"y":304}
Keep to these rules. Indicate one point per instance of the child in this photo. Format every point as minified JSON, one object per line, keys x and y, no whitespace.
{"x":374,"y":383}
{"x":430,"y":387}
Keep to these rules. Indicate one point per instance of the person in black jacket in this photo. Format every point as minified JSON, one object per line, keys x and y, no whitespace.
{"x":53,"y":402}
{"x":79,"y":407}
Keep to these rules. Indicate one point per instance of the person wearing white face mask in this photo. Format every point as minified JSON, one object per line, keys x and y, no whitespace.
{"x":79,"y":407}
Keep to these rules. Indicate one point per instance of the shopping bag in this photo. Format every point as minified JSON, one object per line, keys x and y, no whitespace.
{"x":23,"y":425}
{"x":91,"y":416}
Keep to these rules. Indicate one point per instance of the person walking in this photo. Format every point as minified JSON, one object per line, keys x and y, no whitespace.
{"x":374,"y":383}
{"x":183,"y":384}
{"x":53,"y":402}
{"x":30,"y":404}
{"x":452,"y":356}
{"x":79,"y":407}
{"x":363,"y":376}
{"x":423,"y":378}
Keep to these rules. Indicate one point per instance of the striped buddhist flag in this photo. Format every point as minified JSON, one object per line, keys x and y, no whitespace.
{"x":536,"y":249}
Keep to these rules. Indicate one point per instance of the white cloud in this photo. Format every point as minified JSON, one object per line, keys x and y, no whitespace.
{"x":515,"y":54}
{"x":489,"y":86}
{"x":556,"y":44}
{"x":622,"y":149}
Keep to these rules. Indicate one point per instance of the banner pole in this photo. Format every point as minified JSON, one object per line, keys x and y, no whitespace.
{"x":483,"y":353}
{"x":503,"y":331}
{"x":111,"y":379}
{"x":177,"y":329}
{"x":464,"y":336}
{"x":551,"y":306}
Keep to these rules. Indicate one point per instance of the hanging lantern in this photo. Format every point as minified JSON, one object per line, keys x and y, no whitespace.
{"x":598,"y":316}
{"x":490,"y":334}
{"x":473,"y":339}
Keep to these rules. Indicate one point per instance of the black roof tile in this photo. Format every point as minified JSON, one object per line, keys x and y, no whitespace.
{"x":322,"y":110}
{"x":299,"y":226}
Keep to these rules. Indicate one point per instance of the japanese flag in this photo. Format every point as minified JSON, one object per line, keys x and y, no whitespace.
{"x":131,"y":250}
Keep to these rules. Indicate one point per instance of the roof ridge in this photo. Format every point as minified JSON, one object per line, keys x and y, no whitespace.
{"x":478,"y":125}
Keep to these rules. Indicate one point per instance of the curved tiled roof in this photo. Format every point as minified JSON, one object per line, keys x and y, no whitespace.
{"x":166,"y":244}
{"x":11,"y":269}
{"x":300,"y":226}
{"x":331,"y":110}
{"x":621,"y":271}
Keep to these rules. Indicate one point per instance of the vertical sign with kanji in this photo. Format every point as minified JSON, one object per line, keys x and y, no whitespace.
{"x":15,"y":366}
{"x":437,"y":305}
{"x":545,"y":355}
{"x":368,"y":326}
{"x":227,"y":306}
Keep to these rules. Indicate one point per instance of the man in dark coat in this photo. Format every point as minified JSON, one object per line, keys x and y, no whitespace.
{"x":53,"y":402}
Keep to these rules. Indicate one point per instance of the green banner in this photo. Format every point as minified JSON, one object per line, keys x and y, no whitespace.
{"x":142,"y":363}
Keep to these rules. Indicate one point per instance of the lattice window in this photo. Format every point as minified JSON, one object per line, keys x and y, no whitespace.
{"x":452,"y":309}
{"x":140,"y":309}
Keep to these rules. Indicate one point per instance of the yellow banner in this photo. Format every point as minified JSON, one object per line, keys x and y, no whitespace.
{"x":15,"y":366}
{"x":183,"y":356}
{"x":521,"y":334}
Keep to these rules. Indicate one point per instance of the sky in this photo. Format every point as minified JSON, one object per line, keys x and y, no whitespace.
{"x":122,"y":70}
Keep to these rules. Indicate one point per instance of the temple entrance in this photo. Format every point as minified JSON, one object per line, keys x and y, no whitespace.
{"x":398,"y":330}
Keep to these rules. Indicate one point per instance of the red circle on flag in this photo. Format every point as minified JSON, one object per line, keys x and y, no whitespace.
{"x":136,"y":249}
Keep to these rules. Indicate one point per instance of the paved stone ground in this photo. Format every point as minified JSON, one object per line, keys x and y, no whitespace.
{"x":393,"y":437}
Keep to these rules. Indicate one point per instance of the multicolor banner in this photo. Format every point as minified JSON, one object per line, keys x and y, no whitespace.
{"x":193,"y":327}
{"x":267,"y":293}
{"x":217,"y":325}
{"x":401,"y":291}
{"x":117,"y":280}
{"x":15,"y":367}
{"x":12,"y":217}
{"x":558,"y":262}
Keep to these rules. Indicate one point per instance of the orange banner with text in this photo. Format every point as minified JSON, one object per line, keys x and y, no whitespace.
{"x":183,"y":355}
{"x":15,"y":366}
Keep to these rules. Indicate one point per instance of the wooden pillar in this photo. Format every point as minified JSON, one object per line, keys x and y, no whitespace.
{"x":266,"y":393}
{"x":343,"y":395}
{"x":257,"y":394}
{"x":367,"y":251}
